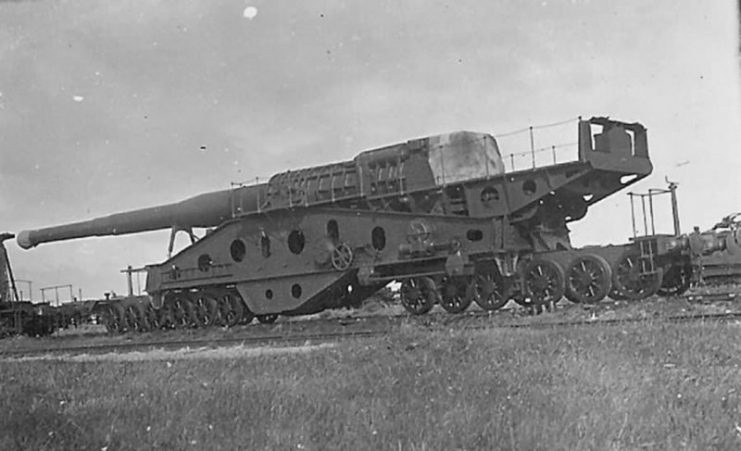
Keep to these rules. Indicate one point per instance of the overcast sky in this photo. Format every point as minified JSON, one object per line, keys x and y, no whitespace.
{"x":112,"y":106}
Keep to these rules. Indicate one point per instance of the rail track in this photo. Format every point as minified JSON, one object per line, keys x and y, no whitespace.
{"x":336,"y":329}
{"x":713,"y":297}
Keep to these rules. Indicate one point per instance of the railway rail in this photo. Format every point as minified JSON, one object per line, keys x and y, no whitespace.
{"x":336,"y":329}
{"x":713,"y":297}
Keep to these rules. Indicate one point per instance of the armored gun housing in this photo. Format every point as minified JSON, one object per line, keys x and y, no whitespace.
{"x":439,"y":214}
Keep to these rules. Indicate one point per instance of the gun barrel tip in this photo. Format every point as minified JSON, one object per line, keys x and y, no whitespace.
{"x":24,"y":240}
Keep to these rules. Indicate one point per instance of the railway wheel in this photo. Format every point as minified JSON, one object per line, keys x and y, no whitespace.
{"x":212,"y":309}
{"x":675,"y":282}
{"x":192,"y":309}
{"x":588,"y":279}
{"x":456,"y":294}
{"x":231,"y":310}
{"x":131,"y":318}
{"x":205,"y":311}
{"x":267,"y":319}
{"x":144,"y":323}
{"x":418,"y":295}
{"x":628,"y":280}
{"x":114,"y":319}
{"x":106,"y":317}
{"x":153,"y":317}
{"x":226,"y":315}
{"x":182,"y":311}
{"x":489,"y":290}
{"x":544,"y":282}
{"x":166,"y":316}
{"x":221,"y":312}
{"x":238,"y":307}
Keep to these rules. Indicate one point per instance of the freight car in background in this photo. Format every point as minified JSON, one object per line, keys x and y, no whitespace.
{"x":35,"y":319}
{"x":710,"y":257}
{"x":722,"y":251}
{"x":441,"y":215}
{"x":18,"y":316}
{"x":38,"y":319}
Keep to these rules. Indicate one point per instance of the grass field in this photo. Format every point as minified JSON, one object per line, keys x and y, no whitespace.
{"x":646,"y":386}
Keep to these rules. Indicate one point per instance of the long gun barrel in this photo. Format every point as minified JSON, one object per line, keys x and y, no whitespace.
{"x":412,"y":176}
{"x":326,"y":184}
{"x":205,"y":210}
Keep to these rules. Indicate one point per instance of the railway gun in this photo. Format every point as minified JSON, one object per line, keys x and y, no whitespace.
{"x":441,"y":215}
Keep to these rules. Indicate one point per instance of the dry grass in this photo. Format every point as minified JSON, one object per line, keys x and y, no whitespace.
{"x":650,"y":386}
{"x":199,"y":353}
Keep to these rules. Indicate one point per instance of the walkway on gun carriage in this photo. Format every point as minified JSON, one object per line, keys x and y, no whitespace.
{"x":705,"y":305}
